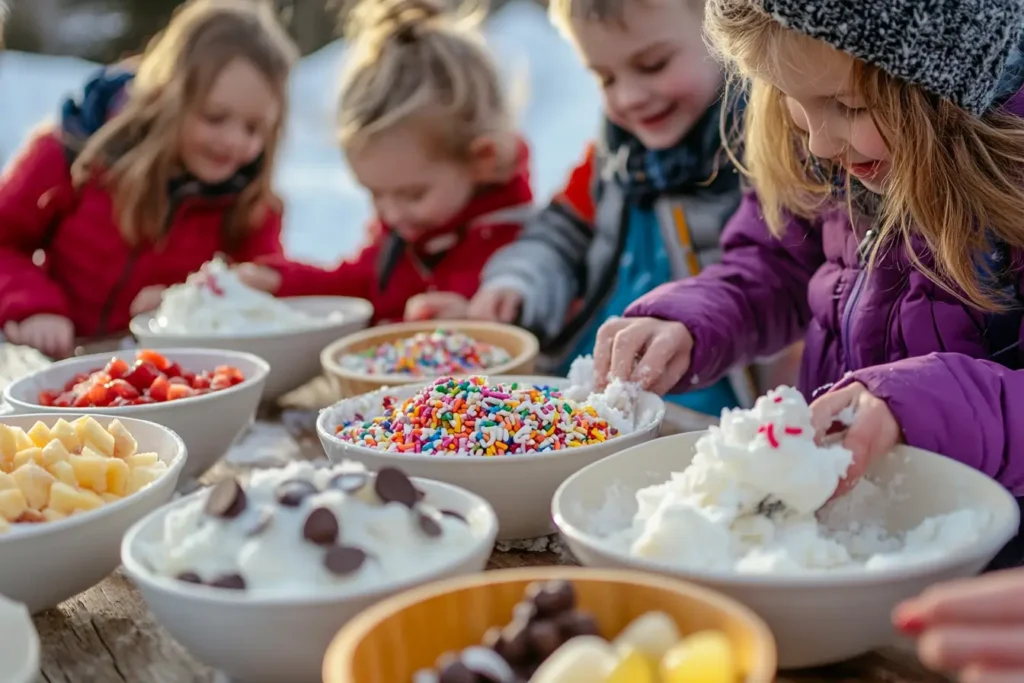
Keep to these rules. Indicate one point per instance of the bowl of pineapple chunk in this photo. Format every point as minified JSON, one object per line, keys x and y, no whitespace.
{"x":70,"y":486}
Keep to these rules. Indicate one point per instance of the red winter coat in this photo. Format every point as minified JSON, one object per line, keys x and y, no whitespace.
{"x":388,"y":271}
{"x":90,"y":274}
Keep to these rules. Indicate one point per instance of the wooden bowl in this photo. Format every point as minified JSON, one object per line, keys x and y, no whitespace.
{"x":520,"y":344}
{"x":389,"y":642}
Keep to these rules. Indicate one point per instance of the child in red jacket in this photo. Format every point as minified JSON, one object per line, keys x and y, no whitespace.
{"x":427,"y":130}
{"x":149,"y":176}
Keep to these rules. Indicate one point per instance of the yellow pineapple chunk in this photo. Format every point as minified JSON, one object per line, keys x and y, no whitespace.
{"x":67,"y":500}
{"x":143,"y":460}
{"x":65,"y":433}
{"x":143,"y":476}
{"x":12,"y":504}
{"x":8,"y":445}
{"x":90,"y":470}
{"x":52,"y":515}
{"x":94,"y":436}
{"x":40,"y":434}
{"x":124,"y":442}
{"x":5,"y":526}
{"x":118,"y":475}
{"x":21,"y":439}
{"x":64,"y":473}
{"x":35,"y":484}
{"x":55,"y":451}
{"x":7,"y":482}
{"x":33,"y":454}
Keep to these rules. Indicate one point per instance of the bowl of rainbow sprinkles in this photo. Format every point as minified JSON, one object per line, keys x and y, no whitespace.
{"x":510,"y":439}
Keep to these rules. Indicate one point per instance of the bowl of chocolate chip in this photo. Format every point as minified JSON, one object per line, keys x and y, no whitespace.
{"x":554,"y":625}
{"x":255,"y":576}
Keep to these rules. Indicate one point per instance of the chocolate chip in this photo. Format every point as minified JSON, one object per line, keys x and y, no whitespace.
{"x":263,"y":523}
{"x":232,"y":581}
{"x":554,"y":597}
{"x":454,"y":671}
{"x":291,"y":493}
{"x":392,"y":485}
{"x":453,"y":513}
{"x":514,"y":643}
{"x":226,"y":500}
{"x":430,"y":526}
{"x":575,"y":623}
{"x":342,"y":559}
{"x":350,"y":482}
{"x":321,"y":527}
{"x":189,"y":577}
{"x":545,"y":638}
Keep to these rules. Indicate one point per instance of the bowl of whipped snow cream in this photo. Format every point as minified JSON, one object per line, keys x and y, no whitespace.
{"x":255,"y":575}
{"x":745,"y":508}
{"x":213,"y":309}
{"x":450,"y":430}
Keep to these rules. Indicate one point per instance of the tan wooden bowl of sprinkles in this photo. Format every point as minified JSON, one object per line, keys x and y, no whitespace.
{"x":391,"y":641}
{"x":521,"y":346}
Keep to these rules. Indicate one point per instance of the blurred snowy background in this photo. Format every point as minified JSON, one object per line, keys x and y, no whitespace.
{"x":559,"y":106}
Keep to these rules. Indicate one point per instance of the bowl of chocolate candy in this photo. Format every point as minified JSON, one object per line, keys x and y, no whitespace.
{"x":554,"y":625}
{"x":254,"y":577}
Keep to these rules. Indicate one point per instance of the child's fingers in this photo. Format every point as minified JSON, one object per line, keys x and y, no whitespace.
{"x":603,"y":348}
{"x":951,"y":648}
{"x":508,"y":307}
{"x":825,"y":408}
{"x":986,"y":674}
{"x":674,"y":372}
{"x":12,"y":333}
{"x":654,"y":360}
{"x":990,"y":599}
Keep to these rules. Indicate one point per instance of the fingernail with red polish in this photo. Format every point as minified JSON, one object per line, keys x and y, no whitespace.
{"x":910,"y":625}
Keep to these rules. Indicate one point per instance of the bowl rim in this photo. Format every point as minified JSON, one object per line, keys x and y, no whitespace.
{"x":463,"y":458}
{"x":827,"y":578}
{"x":174,"y":469}
{"x":363,"y":312}
{"x":330,"y":353}
{"x":143,"y":576}
{"x":262,"y":371}
{"x":343,"y":645}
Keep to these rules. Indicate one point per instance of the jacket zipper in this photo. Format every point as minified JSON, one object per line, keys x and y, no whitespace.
{"x":129,"y":267}
{"x":863,"y":251}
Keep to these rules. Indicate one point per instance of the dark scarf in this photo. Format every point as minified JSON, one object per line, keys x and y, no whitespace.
{"x":645,"y":174}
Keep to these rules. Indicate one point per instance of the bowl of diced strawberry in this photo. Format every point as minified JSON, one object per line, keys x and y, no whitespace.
{"x":208,"y":396}
{"x":148,"y":378}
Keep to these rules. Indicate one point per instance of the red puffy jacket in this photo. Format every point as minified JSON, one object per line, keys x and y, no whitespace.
{"x":388,"y":271}
{"x":90,"y":274}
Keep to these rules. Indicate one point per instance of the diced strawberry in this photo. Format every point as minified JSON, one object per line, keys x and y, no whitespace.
{"x":122,"y":389}
{"x":65,"y":400}
{"x":200,"y":381}
{"x":176,"y":391}
{"x":77,"y":379}
{"x":231,"y":372}
{"x":190,"y":377}
{"x":120,"y":401}
{"x":81,"y":401}
{"x":157,"y":359}
{"x":142,"y":375}
{"x":220,"y":382}
{"x":48,"y":397}
{"x":99,"y":396}
{"x":172,"y":370}
{"x":117,"y":368}
{"x":158,"y":389}
{"x":143,"y":400}
{"x":178,"y":380}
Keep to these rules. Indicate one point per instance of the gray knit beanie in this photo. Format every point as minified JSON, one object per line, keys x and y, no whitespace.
{"x":953,"y":48}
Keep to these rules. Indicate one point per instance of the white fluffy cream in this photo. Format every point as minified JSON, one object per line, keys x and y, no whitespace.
{"x":214,"y":301}
{"x":748,"y":503}
{"x":280,"y":560}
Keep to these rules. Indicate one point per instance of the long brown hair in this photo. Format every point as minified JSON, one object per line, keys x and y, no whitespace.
{"x":136,"y":154}
{"x":955,"y":179}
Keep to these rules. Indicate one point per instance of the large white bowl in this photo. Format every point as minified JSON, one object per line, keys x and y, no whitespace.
{"x":519,"y":487}
{"x":44,"y":564}
{"x":293,"y":354}
{"x":19,"y":646}
{"x":208,"y":424}
{"x":264,"y":638}
{"x":817,"y":618}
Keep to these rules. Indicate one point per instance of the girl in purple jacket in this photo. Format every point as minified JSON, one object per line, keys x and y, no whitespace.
{"x":884,"y":140}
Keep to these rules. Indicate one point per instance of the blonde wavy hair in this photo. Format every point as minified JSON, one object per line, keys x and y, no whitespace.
{"x":956,"y":179}
{"x":136,"y":153}
{"x":413,"y":62}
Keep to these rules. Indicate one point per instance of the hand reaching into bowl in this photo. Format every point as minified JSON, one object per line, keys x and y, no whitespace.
{"x":53,"y":335}
{"x":872,"y":433}
{"x":652,"y":353}
{"x":972,"y":626}
{"x":498,"y":305}
{"x":148,"y":299}
{"x":436,"y":306}
{"x":263,"y":278}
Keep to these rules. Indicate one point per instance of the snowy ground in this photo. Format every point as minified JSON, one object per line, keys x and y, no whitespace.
{"x":326,"y":210}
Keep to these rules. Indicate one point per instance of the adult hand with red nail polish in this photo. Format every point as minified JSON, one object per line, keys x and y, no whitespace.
{"x":974,"y":627}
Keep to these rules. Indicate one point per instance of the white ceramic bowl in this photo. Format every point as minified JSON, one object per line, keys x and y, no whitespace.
{"x":263,"y":638}
{"x":294,"y":354}
{"x":817,"y":619}
{"x":519,"y":487}
{"x":44,"y":564}
{"x":208,"y":424}
{"x":19,"y":646}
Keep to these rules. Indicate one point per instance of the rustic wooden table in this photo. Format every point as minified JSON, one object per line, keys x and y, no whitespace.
{"x":108,"y":635}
